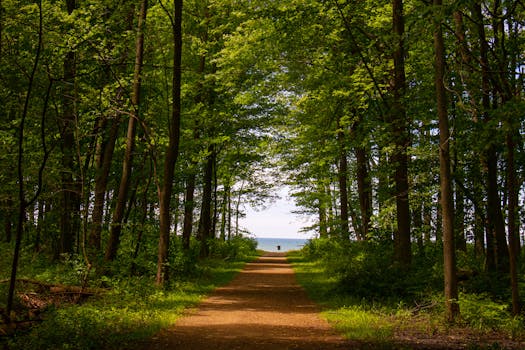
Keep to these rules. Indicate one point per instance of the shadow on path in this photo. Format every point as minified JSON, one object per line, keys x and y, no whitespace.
{"x":262,"y":308}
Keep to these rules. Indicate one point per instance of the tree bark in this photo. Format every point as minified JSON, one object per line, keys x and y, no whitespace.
{"x":118,"y":214}
{"x":70,"y":212}
{"x":402,"y":245}
{"x":447,"y":203}
{"x":364,"y":188}
{"x":459,"y":205}
{"x":39,"y":226}
{"x":205,"y":220}
{"x":189,"y":205}
{"x":342,"y":176}
{"x":417,"y":224}
{"x":224,"y":209}
{"x":513,"y":226}
{"x":23,"y":203}
{"x":101,"y":183}
{"x":322,"y":210}
{"x":496,"y":237}
{"x":494,"y":213}
{"x":142,"y":223}
{"x":1,"y":27}
{"x":8,"y":223}
{"x":172,"y":152}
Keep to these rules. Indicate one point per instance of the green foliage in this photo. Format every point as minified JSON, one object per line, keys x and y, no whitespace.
{"x":364,"y":269}
{"x":131,"y":311}
{"x":265,"y":83}
{"x":482,"y":313}
{"x":238,"y":247}
{"x":357,"y":286}
{"x":357,"y":318}
{"x":358,"y":322}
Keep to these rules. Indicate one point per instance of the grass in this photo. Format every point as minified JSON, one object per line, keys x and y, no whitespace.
{"x":357,"y":320}
{"x":130,"y":313}
{"x":383,"y":324}
{"x":357,"y":323}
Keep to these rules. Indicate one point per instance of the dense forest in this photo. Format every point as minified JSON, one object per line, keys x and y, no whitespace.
{"x":134,"y":133}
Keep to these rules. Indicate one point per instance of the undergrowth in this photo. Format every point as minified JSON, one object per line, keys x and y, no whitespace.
{"x":371,"y":300}
{"x":132,"y":309}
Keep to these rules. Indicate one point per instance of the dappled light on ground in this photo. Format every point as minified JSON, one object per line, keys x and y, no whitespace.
{"x":263,"y":308}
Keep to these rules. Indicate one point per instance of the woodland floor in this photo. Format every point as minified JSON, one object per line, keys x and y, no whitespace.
{"x":265,"y":308}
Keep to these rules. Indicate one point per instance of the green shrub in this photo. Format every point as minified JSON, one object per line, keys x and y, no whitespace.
{"x":482,"y":313}
{"x":131,"y":310}
{"x":238,"y":247}
{"x":365,"y":269}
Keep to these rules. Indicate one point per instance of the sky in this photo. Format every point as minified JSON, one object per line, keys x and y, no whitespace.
{"x":277,"y":220}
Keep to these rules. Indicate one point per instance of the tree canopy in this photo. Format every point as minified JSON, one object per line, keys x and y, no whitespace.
{"x":123,"y":123}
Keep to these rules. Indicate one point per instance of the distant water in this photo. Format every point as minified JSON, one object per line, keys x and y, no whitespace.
{"x":286,"y":244}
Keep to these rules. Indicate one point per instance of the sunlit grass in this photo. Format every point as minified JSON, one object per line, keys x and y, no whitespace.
{"x":128,"y":314}
{"x":355,"y":319}
{"x":387,"y":324}
{"x":360,"y":324}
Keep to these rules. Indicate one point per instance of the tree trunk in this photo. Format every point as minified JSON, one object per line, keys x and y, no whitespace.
{"x":497,"y":250}
{"x":459,"y":205}
{"x":494,"y":213}
{"x":118,"y":214}
{"x":39,"y":226}
{"x":402,"y":245}
{"x":172,"y":152}
{"x":69,"y":215}
{"x":23,"y":203}
{"x":1,"y":27}
{"x":427,"y":222}
{"x":224,"y":210}
{"x":417,"y":224}
{"x":101,"y":182}
{"x":229,"y":221}
{"x":447,"y":203}
{"x":189,"y":205}
{"x":479,"y":216}
{"x":142,"y":224}
{"x":460,"y":221}
{"x":238,"y":209}
{"x":355,"y":222}
{"x":323,"y":220}
{"x":205,"y":220}
{"x":342,"y":176}
{"x":215,"y":215}
{"x":364,"y":188}
{"x":513,"y":207}
{"x":8,"y":223}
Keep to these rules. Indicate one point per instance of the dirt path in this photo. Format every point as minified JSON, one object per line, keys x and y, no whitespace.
{"x":262,"y":308}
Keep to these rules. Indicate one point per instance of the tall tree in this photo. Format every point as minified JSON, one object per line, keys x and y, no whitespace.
{"x":205,"y":233}
{"x":172,"y":152}
{"x":403,"y":251}
{"x":23,"y":202}
{"x":108,"y":127}
{"x":447,"y":202}
{"x":189,"y":205}
{"x":118,"y":214}
{"x":497,"y":249}
{"x":70,"y":213}
{"x":103,"y":167}
{"x":342,"y":177}
{"x":364,"y":186}
{"x":514,"y":246}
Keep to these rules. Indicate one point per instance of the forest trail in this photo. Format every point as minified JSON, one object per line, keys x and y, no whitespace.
{"x":262,"y":308}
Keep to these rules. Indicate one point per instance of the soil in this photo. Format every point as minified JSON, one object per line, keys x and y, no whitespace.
{"x":265,"y":308}
{"x":262,"y":308}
